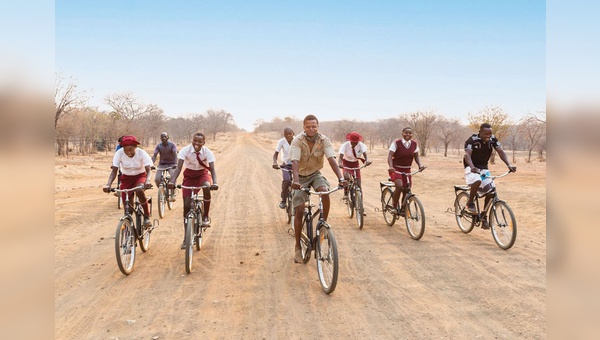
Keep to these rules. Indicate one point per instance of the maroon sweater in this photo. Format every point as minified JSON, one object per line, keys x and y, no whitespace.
{"x":403,"y":157}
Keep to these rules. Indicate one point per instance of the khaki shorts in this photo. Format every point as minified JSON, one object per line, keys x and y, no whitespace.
{"x":314,"y":180}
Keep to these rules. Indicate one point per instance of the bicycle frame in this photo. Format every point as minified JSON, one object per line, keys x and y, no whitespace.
{"x":486,"y":209}
{"x":308,"y":212}
{"x":409,"y":193}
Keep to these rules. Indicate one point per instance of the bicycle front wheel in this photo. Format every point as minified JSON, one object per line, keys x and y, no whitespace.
{"x":463,"y":218}
{"x":503,"y":225}
{"x":161,"y":201}
{"x":125,"y":246}
{"x":415,"y":218}
{"x":289,"y":208}
{"x":145,"y":238}
{"x":327,"y":258}
{"x":350,"y":203}
{"x":387,"y":206}
{"x":305,"y":238}
{"x":189,"y":243}
{"x":171,"y":194}
{"x":360,"y":210}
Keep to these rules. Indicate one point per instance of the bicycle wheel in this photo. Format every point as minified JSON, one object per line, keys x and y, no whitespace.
{"x":360,"y":210}
{"x":387,"y":206}
{"x":289,"y":208}
{"x":463,"y":218}
{"x":161,"y":201}
{"x":171,"y":194}
{"x":350,"y":203}
{"x":189,"y":242}
{"x":327,"y":258}
{"x":125,"y":246}
{"x":503,"y":225}
{"x":415,"y":218}
{"x":305,"y":238}
{"x":119,"y":199}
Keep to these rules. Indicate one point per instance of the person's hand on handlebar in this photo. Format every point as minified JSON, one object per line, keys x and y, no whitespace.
{"x":106,"y":188}
{"x":296,"y":185}
{"x":148,"y":185}
{"x":422,"y":167}
{"x":343,"y":182}
{"x":475,"y":170}
{"x":170,"y":185}
{"x":276,"y":167}
{"x":368,"y":163}
{"x":512,"y":168}
{"x":214,"y":187}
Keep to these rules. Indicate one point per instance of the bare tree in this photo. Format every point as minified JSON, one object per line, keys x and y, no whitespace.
{"x":67,"y":98}
{"x":513,"y":140}
{"x":217,"y":121}
{"x":449,"y":130}
{"x":532,"y":130}
{"x":388,"y":130}
{"x":423,"y":125}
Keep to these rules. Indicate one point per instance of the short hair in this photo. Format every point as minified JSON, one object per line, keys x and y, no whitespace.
{"x":310,"y":117}
{"x":406,"y":128}
{"x":288,"y":129}
{"x":485,"y":126}
{"x":199,"y":134}
{"x":120,"y":139}
{"x":164,"y":133}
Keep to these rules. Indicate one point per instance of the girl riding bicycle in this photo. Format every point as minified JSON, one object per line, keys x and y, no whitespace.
{"x":400,"y":159}
{"x":350,"y":153}
{"x":135,"y":166}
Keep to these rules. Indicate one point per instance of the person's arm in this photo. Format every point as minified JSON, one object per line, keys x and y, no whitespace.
{"x":367,"y":161}
{"x":470,"y":161}
{"x":213,"y":174}
{"x":155,"y":153}
{"x":504,"y":158}
{"x":340,"y":161}
{"x":176,"y":173}
{"x":111,"y":178}
{"x":390,"y":161}
{"x":418,"y":161}
{"x":336,"y":169}
{"x":295,"y":176}
{"x":275,"y":156}
{"x":148,"y":184}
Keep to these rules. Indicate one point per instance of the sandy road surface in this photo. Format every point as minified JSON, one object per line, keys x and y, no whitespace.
{"x":244,"y":283}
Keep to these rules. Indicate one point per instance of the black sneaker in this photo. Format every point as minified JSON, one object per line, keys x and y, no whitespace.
{"x":147,"y":221}
{"x":471,"y":208}
{"x":484,"y":223}
{"x":282,"y":204}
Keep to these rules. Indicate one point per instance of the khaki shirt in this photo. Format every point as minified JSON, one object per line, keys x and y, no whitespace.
{"x":309,"y":162}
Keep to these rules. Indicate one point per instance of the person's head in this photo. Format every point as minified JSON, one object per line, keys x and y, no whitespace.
{"x":407,"y":133}
{"x":120,"y":139}
{"x":288,"y":133}
{"x":354,"y":138}
{"x":311,"y":125}
{"x":198,"y":141}
{"x":164,"y":137}
{"x":485,"y":132}
{"x":129,"y":144}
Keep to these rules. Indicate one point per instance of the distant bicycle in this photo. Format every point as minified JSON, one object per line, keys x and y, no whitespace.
{"x":497,"y":214}
{"x":166,"y":196}
{"x":354,"y":203}
{"x":321,"y":240}
{"x":130,"y":230}
{"x":119,"y":199}
{"x":289,"y":210}
{"x":193,"y":224}
{"x":414,"y":214}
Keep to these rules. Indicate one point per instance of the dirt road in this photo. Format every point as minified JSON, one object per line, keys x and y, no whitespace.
{"x":245,"y":285}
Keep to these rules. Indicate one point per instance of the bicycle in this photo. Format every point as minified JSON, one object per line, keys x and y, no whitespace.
{"x":165,"y":195}
{"x":501,"y":218}
{"x":289,"y":210}
{"x":119,"y":198}
{"x":130,"y":230}
{"x":193,"y":224}
{"x":323,"y":243}
{"x":414,"y":214}
{"x":355,"y":197}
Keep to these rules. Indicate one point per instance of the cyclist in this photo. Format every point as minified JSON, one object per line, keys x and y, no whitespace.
{"x":199,"y":162}
{"x":168,"y":158}
{"x":135,"y":165}
{"x":284,"y":146}
{"x":306,"y":152}
{"x":478,"y":149}
{"x":400,"y":158}
{"x":351,"y":152}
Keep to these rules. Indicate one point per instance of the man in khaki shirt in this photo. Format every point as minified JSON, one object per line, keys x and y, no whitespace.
{"x":306,"y":152}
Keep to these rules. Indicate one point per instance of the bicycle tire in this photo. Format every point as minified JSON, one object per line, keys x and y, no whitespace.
{"x":161,"y":201}
{"x":415,"y":218}
{"x":145,"y":238}
{"x":198,"y":230}
{"x":171,"y":194}
{"x":387,"y":206}
{"x":305,"y":238}
{"x":125,"y":246}
{"x":349,"y":203}
{"x":289,"y":208}
{"x":360,"y":210}
{"x":327,"y":258}
{"x":189,"y":242}
{"x":119,"y":196}
{"x":504,"y":231}
{"x":463,"y":218}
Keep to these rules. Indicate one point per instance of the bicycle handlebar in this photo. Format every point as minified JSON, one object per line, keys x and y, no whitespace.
{"x":283,"y":169}
{"x":127,"y":190}
{"x":167,"y":168}
{"x":410,"y":173}
{"x":308,"y":191}
{"x":181,"y":186}
{"x":360,"y":167}
{"x":499,"y":176}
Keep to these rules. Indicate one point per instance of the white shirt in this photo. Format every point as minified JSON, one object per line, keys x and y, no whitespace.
{"x":188,"y":154}
{"x":132,"y":166}
{"x":406,"y":145}
{"x":346,"y":150}
{"x":285,"y":146}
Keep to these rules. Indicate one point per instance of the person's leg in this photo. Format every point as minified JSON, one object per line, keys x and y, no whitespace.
{"x":298,"y":203}
{"x":207,"y":196}
{"x":285,"y":185}
{"x":347,"y":178}
{"x":397,"y":192}
{"x":158,"y":177}
{"x":326,"y":202}
{"x":187,"y":205}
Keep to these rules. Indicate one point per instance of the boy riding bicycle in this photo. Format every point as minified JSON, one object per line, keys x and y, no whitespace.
{"x":284,"y":146}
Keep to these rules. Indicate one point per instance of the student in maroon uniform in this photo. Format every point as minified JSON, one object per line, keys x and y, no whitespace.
{"x":400,"y":158}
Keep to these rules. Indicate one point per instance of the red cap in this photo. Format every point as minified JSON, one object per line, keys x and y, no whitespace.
{"x":129,"y":140}
{"x":354,"y":137}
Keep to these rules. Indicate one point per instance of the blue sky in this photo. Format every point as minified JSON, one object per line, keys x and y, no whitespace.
{"x":361,"y":60}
